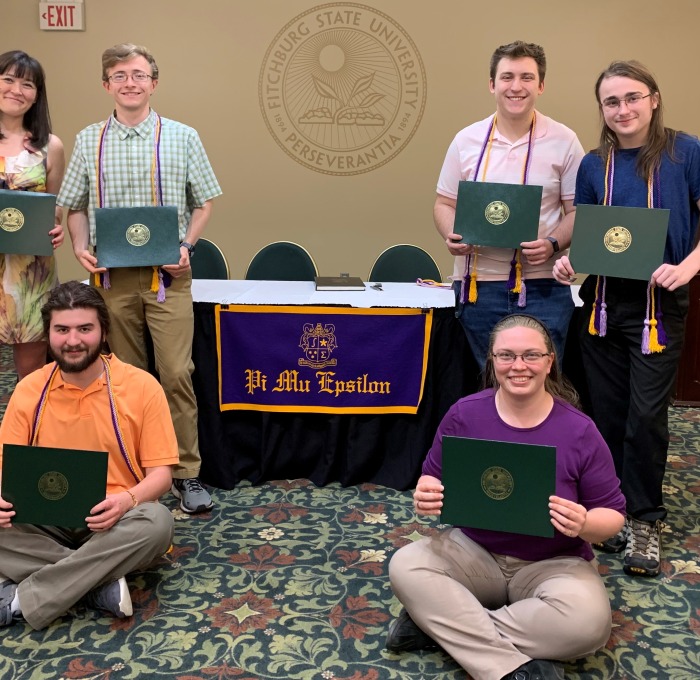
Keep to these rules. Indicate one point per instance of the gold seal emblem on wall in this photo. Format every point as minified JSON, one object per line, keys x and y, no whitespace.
{"x":497,"y":212}
{"x":11,"y":219}
{"x":617,"y":239}
{"x":497,"y":483}
{"x":138,"y":234}
{"x":342,"y":88}
{"x":53,"y":486}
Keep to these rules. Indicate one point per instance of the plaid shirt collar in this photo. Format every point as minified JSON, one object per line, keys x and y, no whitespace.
{"x":144,"y":129}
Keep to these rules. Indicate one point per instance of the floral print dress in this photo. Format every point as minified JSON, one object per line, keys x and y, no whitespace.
{"x":25,"y":280}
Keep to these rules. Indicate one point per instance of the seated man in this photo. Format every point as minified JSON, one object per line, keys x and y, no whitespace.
{"x":50,"y":568}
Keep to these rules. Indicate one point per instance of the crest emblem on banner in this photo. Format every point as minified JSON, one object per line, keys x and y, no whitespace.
{"x":318,"y":343}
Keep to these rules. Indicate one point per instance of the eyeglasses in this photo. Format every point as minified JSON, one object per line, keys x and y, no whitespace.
{"x":614,"y":103}
{"x":137,"y":77}
{"x":507,"y":358}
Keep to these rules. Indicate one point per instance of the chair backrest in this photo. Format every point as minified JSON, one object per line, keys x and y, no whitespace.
{"x":282,"y":261}
{"x":404,"y":263}
{"x":208,"y":261}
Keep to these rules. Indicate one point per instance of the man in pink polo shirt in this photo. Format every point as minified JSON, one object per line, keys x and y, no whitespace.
{"x":516,"y":145}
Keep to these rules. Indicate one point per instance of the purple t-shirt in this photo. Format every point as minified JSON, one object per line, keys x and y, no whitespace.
{"x":585,"y":469}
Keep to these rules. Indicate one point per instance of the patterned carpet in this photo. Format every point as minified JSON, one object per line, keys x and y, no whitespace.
{"x":287,"y":580}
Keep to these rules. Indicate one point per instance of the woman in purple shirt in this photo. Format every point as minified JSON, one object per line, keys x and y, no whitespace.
{"x":502,"y":604}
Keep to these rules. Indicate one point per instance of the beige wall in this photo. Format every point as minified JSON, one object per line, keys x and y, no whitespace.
{"x":210,"y":53}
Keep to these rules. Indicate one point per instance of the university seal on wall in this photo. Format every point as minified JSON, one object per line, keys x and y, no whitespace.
{"x":138,"y":234}
{"x":342,"y":88}
{"x":497,"y":212}
{"x":617,"y":239}
{"x":53,"y":486}
{"x":11,"y":219}
{"x":497,"y":483}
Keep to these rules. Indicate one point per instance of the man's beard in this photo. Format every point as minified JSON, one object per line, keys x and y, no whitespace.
{"x":76,"y":366}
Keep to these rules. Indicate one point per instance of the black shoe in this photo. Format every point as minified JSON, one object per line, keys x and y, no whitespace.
{"x":537,"y":669}
{"x":616,"y":543}
{"x":405,"y":636}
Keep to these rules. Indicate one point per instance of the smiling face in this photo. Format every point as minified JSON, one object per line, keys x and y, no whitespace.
{"x":516,"y":87}
{"x":17,"y":95}
{"x":75,"y":339}
{"x":521,"y":379}
{"x":132,"y":96}
{"x":629,"y":123}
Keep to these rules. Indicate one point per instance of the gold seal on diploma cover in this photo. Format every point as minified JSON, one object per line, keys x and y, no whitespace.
{"x":497,"y":483}
{"x":497,"y":212}
{"x":11,"y":219}
{"x":53,"y":486}
{"x":138,"y":234}
{"x":617,"y":239}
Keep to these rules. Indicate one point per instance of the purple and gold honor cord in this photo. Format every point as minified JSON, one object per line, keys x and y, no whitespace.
{"x":653,"y":336}
{"x":114,"y":411}
{"x":157,"y":284}
{"x":515,"y":280}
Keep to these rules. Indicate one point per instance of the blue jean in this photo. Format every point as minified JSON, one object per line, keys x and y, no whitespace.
{"x":547,"y":300}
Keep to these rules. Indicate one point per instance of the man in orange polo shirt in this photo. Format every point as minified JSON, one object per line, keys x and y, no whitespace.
{"x":49,"y":569}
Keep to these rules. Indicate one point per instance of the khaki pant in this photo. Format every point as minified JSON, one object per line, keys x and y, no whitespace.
{"x":493,"y":613}
{"x":55,"y":567}
{"x":133,"y":307}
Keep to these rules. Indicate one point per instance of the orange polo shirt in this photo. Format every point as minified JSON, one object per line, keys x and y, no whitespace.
{"x":81,"y":419}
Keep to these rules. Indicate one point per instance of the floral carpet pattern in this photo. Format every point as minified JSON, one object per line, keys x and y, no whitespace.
{"x":288,"y":580}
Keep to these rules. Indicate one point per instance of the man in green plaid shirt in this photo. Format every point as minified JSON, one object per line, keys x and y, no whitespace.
{"x":137,"y":158}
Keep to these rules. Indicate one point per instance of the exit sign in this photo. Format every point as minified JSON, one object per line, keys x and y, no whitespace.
{"x":61,"y":16}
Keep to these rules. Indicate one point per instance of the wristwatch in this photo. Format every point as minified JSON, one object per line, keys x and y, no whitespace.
{"x":553,"y":241}
{"x":190,"y":247}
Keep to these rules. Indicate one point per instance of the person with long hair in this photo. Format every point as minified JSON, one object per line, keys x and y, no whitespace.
{"x":632,"y":331}
{"x":503,"y":605}
{"x":31,"y":159}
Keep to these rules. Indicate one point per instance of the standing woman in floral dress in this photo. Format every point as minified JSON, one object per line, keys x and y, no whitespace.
{"x":31,"y":159}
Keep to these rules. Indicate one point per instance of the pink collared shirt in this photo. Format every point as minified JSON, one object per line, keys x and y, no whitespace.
{"x":556,"y":155}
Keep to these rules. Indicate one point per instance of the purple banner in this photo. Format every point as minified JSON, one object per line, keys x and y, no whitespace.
{"x":322,"y":359}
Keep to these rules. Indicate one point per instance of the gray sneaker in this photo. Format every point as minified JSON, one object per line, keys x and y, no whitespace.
{"x":642,"y":556}
{"x":113,"y":598}
{"x":7,"y":594}
{"x":192,"y":495}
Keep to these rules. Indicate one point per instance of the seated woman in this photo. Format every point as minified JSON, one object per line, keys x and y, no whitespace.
{"x":503,"y":604}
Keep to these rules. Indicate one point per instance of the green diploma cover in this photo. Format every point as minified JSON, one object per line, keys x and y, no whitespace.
{"x":502,"y":486}
{"x":611,"y":240}
{"x":26,"y":218}
{"x":53,"y":487}
{"x":499,"y":215}
{"x":137,"y":237}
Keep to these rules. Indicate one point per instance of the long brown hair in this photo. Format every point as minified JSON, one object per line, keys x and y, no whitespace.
{"x":554,"y":383}
{"x":37,"y":121}
{"x":660,"y":138}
